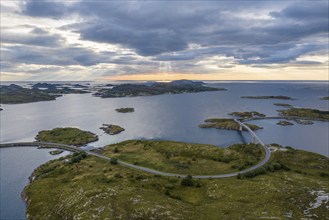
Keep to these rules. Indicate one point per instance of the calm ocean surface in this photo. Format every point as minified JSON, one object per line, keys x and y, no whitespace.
{"x":169,"y":117}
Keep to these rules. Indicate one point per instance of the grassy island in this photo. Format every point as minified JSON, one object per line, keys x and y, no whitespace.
{"x":186,"y":158}
{"x":268,"y":97}
{"x":125,"y":110}
{"x":71,"y":136}
{"x":252,"y":114}
{"x":307,"y":113}
{"x":284,"y":123}
{"x":86,"y":187}
{"x":155,"y":88}
{"x":112,"y":129}
{"x":285,"y":105}
{"x":226,"y":123}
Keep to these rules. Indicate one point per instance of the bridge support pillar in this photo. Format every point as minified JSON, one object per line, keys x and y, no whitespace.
{"x":253,"y":140}
{"x":240,"y":128}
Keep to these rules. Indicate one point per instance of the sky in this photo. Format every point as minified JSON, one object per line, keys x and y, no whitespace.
{"x":45,"y":40}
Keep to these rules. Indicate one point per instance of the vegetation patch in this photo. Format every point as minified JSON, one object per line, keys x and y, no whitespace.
{"x":96,"y":189}
{"x":268,"y":97}
{"x":70,"y":136}
{"x":308,"y":113}
{"x":252,"y":114}
{"x":226,"y":123}
{"x":186,"y":158}
{"x":112,"y":129}
{"x":125,"y":110}
{"x":324,"y":98}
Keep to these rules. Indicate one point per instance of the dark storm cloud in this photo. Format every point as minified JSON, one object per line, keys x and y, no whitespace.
{"x":253,"y":32}
{"x":44,"y":8}
{"x":52,"y":56}
{"x":36,"y":36}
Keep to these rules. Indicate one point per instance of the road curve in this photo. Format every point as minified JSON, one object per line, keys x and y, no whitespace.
{"x":145,"y":169}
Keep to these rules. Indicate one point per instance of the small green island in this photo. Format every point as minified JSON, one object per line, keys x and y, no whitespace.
{"x":268,"y":97}
{"x":285,"y":105}
{"x":69,"y":135}
{"x":305,"y":113}
{"x":324,"y":98}
{"x":86,"y":187}
{"x":226,"y":123}
{"x":125,"y":110}
{"x":112,"y":129}
{"x":284,"y":123}
{"x":252,"y":114}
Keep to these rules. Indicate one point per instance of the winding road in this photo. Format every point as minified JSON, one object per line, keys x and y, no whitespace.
{"x":145,"y":169}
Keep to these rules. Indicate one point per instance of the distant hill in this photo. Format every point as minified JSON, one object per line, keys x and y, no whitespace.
{"x":155,"y":88}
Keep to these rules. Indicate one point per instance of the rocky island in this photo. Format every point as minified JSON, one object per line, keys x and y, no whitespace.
{"x":112,"y":129}
{"x":284,"y":123}
{"x":14,"y":94}
{"x":125,"y":110}
{"x":155,"y":88}
{"x":268,"y":97}
{"x":69,"y":135}
{"x":292,"y":185}
{"x":226,"y":123}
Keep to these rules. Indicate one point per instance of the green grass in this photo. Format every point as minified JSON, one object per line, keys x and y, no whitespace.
{"x":70,"y":136}
{"x":248,"y":114}
{"x":226,"y":123}
{"x":186,"y":158}
{"x":95,"y":189}
{"x":306,"y":113}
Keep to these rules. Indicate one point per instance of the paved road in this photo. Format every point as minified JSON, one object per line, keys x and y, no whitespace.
{"x":77,"y":149}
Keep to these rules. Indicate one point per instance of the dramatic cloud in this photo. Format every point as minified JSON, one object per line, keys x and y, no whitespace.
{"x":190,"y":37}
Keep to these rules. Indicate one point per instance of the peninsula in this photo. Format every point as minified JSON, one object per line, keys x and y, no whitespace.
{"x":89,"y":187}
{"x":14,"y":94}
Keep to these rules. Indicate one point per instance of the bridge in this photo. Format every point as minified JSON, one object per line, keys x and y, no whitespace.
{"x":145,"y":169}
{"x":256,"y":140}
